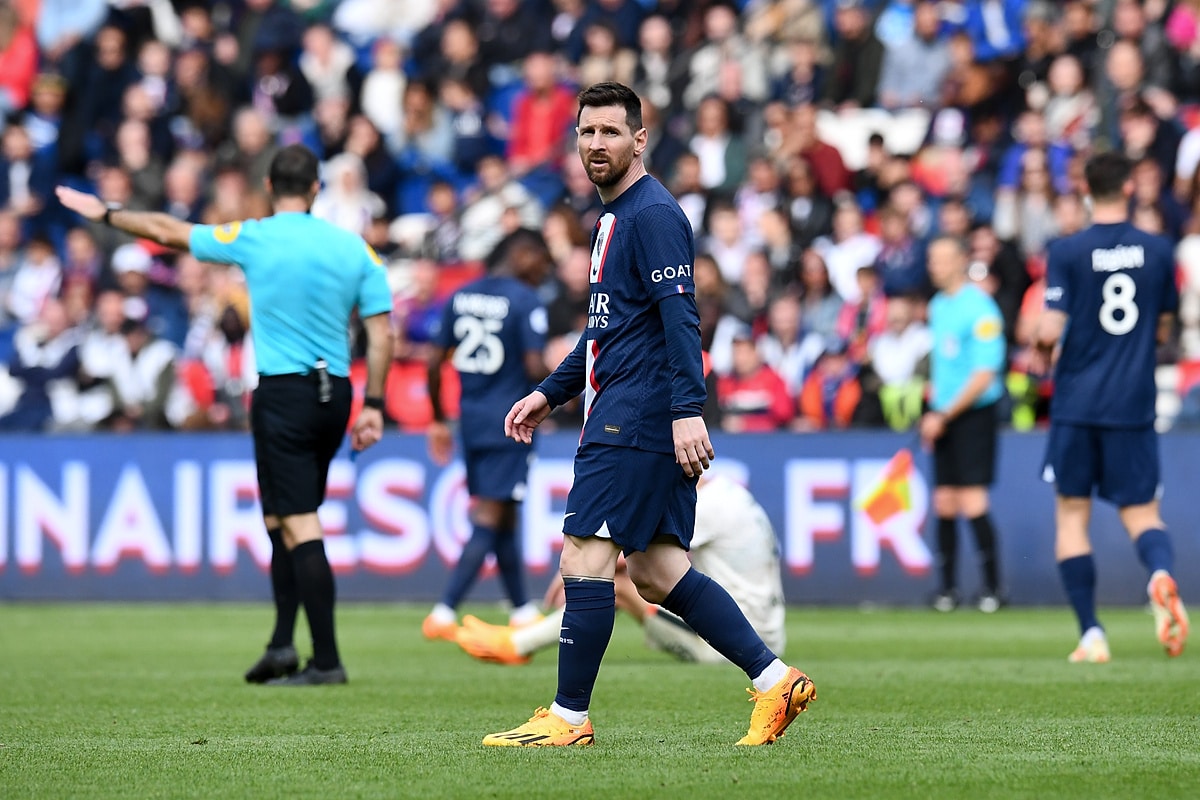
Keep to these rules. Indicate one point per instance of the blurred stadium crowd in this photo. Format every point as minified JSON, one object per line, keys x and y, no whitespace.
{"x":816,"y":146}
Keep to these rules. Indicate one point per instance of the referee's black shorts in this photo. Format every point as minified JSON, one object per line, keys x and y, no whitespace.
{"x":295,"y":438}
{"x":965,"y":455}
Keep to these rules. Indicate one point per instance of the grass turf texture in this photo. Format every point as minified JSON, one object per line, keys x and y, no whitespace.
{"x":131,"y":701}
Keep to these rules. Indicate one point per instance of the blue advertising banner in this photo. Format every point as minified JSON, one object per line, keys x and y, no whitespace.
{"x":175,"y":517}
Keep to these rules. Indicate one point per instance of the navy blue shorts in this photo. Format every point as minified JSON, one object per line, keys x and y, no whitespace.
{"x":498,"y":473}
{"x":630,"y":496}
{"x":1120,"y":464}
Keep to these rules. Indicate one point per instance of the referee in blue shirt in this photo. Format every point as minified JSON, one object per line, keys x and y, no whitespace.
{"x":961,"y":426}
{"x":305,"y":279}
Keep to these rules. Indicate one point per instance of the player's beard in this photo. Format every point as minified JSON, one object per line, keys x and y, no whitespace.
{"x":612,"y":169}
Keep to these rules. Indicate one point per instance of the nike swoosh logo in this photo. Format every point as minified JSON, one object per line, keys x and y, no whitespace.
{"x":569,"y":514}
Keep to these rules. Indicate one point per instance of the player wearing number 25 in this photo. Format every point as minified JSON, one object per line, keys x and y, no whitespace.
{"x":492,"y":330}
{"x":1110,"y":297}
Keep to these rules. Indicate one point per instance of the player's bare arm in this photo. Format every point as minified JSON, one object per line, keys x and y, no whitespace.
{"x":162,"y":228}
{"x":535,"y":366}
{"x":525,"y":415}
{"x":368,"y":426}
{"x":1166,"y":325}
{"x":439,"y":438}
{"x":1046,"y":336}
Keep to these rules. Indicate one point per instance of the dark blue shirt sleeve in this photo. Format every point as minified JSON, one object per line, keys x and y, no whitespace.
{"x":1057,"y":295}
{"x":664,"y":251}
{"x":567,"y":381}
{"x":533,"y":326}
{"x":681,"y":324}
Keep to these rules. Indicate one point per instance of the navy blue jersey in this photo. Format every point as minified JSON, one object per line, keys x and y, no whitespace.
{"x":1113,"y":281}
{"x":491,"y":324}
{"x":642,"y":254}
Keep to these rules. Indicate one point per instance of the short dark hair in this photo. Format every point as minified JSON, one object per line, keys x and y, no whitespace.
{"x":960,"y":243}
{"x":294,"y":170}
{"x":521,"y":237}
{"x":1106,"y":174}
{"x":611,"y":93}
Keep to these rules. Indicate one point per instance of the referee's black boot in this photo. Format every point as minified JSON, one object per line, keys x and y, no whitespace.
{"x":311,"y":676}
{"x":277,"y":662}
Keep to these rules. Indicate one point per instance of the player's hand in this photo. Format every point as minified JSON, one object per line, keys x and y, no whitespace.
{"x":441,"y":443}
{"x":556,"y":593}
{"x":525,"y":415}
{"x":85,"y":205}
{"x":693,"y":450}
{"x":933,"y":425}
{"x":368,"y":428}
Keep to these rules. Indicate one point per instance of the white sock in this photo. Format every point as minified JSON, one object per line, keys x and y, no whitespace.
{"x":443,"y":613}
{"x":1092,"y":634}
{"x":524,"y":615}
{"x":539,"y":635}
{"x":770,"y":676}
{"x":571,"y":717}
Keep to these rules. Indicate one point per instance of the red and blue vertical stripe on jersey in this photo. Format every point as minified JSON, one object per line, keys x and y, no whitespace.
{"x":592,"y":387}
{"x":604,"y":236}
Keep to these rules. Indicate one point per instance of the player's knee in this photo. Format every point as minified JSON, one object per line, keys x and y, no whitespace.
{"x":1141,"y":518}
{"x":650,"y":585}
{"x":490,"y":514}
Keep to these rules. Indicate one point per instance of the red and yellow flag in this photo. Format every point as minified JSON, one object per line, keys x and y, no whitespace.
{"x":891,"y":493}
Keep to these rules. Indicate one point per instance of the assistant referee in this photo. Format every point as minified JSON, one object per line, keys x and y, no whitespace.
{"x":961,"y":426}
{"x":305,"y":278}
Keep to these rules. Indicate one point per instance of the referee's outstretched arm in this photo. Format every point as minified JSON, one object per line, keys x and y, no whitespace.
{"x":167,"y":230}
{"x":162,"y":228}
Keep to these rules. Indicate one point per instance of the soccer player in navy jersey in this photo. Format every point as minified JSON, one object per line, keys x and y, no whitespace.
{"x":644,"y":443}
{"x":1110,"y":298}
{"x":493,"y":331}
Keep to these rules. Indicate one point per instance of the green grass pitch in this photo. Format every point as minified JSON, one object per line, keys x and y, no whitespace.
{"x":147,"y":701}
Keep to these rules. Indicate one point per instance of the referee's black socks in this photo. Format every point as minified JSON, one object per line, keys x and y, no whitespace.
{"x":985,"y":540}
{"x":314,"y":580}
{"x":947,"y":552}
{"x":283,"y":588}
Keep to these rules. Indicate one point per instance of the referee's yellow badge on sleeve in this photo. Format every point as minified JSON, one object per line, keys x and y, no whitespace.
{"x":227,"y":233}
{"x":988,"y":328}
{"x":374,"y":256}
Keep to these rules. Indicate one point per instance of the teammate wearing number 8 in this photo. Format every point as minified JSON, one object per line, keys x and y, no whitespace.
{"x":492,"y":331}
{"x":1110,"y":299}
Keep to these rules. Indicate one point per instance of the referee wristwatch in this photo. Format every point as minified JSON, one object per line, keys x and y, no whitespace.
{"x":373,"y":402}
{"x":109,"y":208}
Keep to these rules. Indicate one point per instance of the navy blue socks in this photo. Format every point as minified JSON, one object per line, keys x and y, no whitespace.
{"x":1154,"y":550}
{"x":481,"y":543}
{"x":508,"y":560}
{"x":709,"y":610}
{"x":1079,"y":580}
{"x":586,"y":628}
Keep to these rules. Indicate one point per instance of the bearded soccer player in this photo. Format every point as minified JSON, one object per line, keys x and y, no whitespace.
{"x":644,"y":443}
